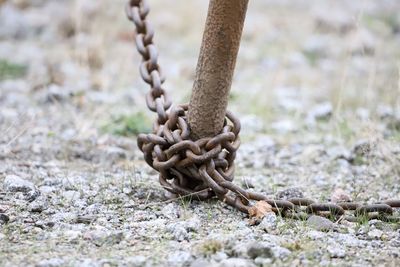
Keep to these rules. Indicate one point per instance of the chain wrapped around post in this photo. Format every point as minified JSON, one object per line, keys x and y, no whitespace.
{"x":204,"y":168}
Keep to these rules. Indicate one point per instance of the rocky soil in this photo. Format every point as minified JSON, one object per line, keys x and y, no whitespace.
{"x":317,"y":90}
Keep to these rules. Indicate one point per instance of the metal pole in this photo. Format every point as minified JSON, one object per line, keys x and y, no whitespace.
{"x":215,"y":66}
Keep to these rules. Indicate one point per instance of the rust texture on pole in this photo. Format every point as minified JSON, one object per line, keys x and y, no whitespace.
{"x":215,"y":66}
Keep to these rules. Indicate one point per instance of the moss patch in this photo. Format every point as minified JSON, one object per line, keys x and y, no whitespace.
{"x":128,"y":125}
{"x":9,"y":70}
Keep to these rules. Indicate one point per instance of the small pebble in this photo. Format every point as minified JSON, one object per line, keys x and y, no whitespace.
{"x":320,"y":223}
{"x":289,"y":193}
{"x":259,"y":249}
{"x":236,"y":262}
{"x":375,"y":234}
{"x":14,"y":183}
{"x":336,"y":252}
{"x":4,"y":218}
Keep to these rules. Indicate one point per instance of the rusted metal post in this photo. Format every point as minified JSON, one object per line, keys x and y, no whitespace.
{"x":215,"y":66}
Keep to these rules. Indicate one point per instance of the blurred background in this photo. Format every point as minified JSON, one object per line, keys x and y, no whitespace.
{"x":300,"y":62}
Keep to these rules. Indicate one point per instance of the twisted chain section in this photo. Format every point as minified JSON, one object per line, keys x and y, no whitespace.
{"x":205,"y":168}
{"x":302,"y":208}
{"x":157,"y":99}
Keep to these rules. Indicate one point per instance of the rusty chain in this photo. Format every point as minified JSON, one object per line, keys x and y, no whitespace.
{"x":204,"y":168}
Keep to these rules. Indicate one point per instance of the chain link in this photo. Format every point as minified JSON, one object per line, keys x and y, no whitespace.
{"x":204,"y":168}
{"x":157,"y":99}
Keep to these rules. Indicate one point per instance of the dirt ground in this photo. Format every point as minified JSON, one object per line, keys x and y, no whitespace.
{"x":317,"y":89}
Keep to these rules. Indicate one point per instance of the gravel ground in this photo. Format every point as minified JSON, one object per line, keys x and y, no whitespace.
{"x":317,"y":89}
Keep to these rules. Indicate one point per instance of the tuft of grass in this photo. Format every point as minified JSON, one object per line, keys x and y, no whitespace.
{"x":389,"y":19}
{"x":185,"y":202}
{"x":396,"y":136}
{"x":394,"y":126}
{"x":210,"y":247}
{"x":358,"y":160}
{"x":9,"y":70}
{"x":392,"y":21}
{"x":362,"y":221}
{"x":312,"y":57}
{"x":128,"y":125}
{"x":293,"y":246}
{"x":345,"y":130}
